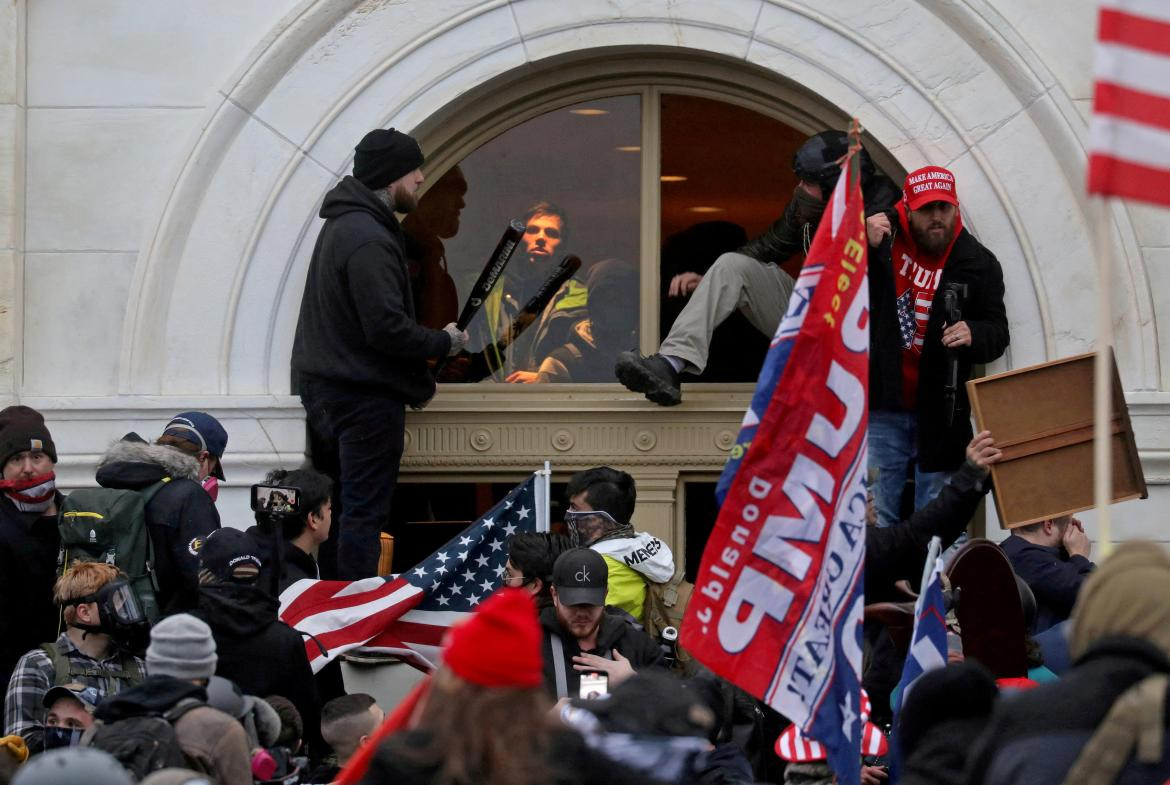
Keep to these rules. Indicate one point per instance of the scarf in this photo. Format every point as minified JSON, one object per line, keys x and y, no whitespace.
{"x":32,"y":494}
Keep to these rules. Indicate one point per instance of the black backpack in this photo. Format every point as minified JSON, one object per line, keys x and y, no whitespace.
{"x":147,"y":743}
{"x":109,"y":525}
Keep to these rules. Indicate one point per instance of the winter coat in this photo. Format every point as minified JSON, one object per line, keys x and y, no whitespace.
{"x":1054,"y":577}
{"x":1035,"y":736}
{"x":29,"y":544}
{"x":899,"y":552}
{"x":940,"y":445}
{"x":214,"y":739}
{"x":357,"y":324}
{"x":633,"y":562}
{"x":571,"y":761}
{"x":615,"y":633}
{"x":179,"y":517}
{"x":260,"y":653}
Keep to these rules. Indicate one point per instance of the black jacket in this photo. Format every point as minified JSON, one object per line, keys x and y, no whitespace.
{"x":296,"y":564}
{"x":1036,"y":736}
{"x":615,"y":633}
{"x":153,"y":697}
{"x":899,"y":552}
{"x":790,"y":232}
{"x":940,"y":446}
{"x":29,"y":544}
{"x":179,"y":517}
{"x":1054,"y":577}
{"x":357,"y":322}
{"x":260,"y":653}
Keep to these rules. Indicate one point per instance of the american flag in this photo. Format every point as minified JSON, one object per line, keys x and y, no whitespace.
{"x":408,"y":614}
{"x":1129,"y":137}
{"x":907,"y":326}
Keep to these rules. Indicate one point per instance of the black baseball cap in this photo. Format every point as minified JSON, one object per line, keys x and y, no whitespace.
{"x":231,"y":555}
{"x":581,"y":577}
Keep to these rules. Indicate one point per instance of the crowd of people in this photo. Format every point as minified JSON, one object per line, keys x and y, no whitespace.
{"x":142,"y":640}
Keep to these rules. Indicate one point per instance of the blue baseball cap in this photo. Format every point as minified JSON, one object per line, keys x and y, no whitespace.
{"x":202,"y":430}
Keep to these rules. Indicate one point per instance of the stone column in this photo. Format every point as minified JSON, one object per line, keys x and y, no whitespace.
{"x":12,"y":125}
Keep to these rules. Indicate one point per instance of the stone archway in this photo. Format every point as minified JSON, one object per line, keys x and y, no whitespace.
{"x":238,"y":224}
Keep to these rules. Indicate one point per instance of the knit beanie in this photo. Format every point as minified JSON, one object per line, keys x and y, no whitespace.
{"x":1126,"y":595}
{"x":499,"y":645}
{"x":181,"y":646}
{"x":383,"y":155}
{"x":21,"y":429}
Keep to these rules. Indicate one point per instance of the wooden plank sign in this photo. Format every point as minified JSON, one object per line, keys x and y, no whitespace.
{"x":1042,"y":419}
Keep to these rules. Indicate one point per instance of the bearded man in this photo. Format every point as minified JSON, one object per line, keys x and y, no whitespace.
{"x":359,"y":350}
{"x":921,"y":256}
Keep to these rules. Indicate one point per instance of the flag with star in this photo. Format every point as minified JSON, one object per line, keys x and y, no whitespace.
{"x":407,"y":615}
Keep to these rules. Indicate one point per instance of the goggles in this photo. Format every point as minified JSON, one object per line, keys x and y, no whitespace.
{"x":599,"y":520}
{"x":117,"y":603}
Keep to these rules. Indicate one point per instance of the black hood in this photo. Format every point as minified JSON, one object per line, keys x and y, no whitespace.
{"x":155,"y":695}
{"x":236,"y":611}
{"x":350,"y":196}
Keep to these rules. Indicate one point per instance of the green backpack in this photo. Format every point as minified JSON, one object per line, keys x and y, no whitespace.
{"x":109,"y":525}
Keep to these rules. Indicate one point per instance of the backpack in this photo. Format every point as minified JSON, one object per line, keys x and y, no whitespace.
{"x":147,"y":743}
{"x":664,"y":607}
{"x":109,"y":525}
{"x":65,"y":671}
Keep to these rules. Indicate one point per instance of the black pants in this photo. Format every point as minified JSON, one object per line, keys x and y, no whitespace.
{"x":362,"y":434}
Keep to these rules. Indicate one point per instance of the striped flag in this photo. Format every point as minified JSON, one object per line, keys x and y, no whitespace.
{"x":1129,"y":137}
{"x":928,"y":644}
{"x":408,"y":614}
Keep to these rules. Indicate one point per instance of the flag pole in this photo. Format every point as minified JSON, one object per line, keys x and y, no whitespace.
{"x":1103,"y":376}
{"x":545,"y":521}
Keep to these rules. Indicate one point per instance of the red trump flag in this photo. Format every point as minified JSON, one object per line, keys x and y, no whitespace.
{"x":778,"y":601}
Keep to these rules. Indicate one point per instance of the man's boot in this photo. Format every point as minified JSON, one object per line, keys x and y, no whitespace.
{"x":654,"y":376}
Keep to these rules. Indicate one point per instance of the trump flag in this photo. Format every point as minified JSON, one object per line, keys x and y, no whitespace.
{"x":777,"y":607}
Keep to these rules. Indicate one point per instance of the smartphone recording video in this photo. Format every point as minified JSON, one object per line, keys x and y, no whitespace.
{"x":276,"y":499}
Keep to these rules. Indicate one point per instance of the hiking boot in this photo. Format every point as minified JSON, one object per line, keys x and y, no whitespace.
{"x":654,"y":376}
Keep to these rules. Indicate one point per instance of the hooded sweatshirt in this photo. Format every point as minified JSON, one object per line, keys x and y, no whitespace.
{"x":357,"y":324}
{"x":179,"y":517}
{"x":260,"y":653}
{"x":633,"y":562}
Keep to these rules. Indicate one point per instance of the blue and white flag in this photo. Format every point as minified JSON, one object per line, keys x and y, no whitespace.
{"x":928,"y":644}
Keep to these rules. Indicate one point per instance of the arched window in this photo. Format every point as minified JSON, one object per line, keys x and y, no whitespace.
{"x":641,"y":182}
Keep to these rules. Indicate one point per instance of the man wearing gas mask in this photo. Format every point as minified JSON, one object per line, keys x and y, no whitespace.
{"x":29,"y":540}
{"x":104,"y":621}
{"x":750,"y":280}
{"x":601,"y":503}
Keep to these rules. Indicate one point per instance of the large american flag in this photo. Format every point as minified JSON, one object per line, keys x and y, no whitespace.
{"x":1129,"y":137}
{"x":408,"y":614}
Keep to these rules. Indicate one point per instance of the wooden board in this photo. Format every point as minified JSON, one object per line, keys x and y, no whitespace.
{"x":1042,"y":419}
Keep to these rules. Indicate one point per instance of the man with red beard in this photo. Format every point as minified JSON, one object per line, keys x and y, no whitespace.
{"x":920,"y":252}
{"x":580,"y":635}
{"x":28,"y":535}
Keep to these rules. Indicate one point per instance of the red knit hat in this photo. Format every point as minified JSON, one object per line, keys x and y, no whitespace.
{"x":499,"y":646}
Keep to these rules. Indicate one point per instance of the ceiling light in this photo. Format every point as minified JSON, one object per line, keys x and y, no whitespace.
{"x":630,"y":148}
{"x":705,"y":209}
{"x":589,"y":112}
{"x":672,"y":178}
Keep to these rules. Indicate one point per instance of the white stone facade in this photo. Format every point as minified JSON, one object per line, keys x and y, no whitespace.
{"x":161,"y":164}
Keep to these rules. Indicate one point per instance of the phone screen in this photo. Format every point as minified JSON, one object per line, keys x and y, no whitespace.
{"x":594,"y":685}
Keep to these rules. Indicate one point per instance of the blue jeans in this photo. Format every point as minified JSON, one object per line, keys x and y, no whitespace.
{"x":893,"y":448}
{"x":363,"y":435}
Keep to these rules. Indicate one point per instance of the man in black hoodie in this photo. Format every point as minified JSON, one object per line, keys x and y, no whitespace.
{"x":257,"y":651}
{"x":360,"y":353}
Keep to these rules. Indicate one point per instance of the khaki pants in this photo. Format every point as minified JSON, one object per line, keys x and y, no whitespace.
{"x":758,"y":290}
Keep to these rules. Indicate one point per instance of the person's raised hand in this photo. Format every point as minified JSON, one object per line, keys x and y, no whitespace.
{"x":683,"y":284}
{"x":459,"y":339}
{"x":618,"y":669}
{"x":982,"y":452}
{"x":1075,"y":541}
{"x":877,"y":228}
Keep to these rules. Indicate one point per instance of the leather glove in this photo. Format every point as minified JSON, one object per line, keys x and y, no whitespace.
{"x":459,"y":339}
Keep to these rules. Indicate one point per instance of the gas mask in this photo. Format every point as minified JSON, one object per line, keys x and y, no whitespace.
{"x":121,"y":615}
{"x":588,"y":526}
{"x":56,"y":736}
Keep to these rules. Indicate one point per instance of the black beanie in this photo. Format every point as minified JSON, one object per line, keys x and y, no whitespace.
{"x":384,"y":155}
{"x":21,"y":429}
